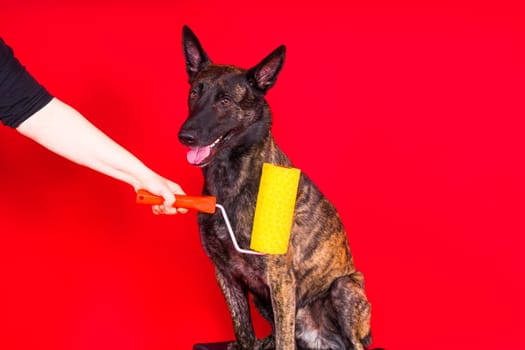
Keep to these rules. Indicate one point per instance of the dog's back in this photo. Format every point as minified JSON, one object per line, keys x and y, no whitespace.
{"x":312,"y":295}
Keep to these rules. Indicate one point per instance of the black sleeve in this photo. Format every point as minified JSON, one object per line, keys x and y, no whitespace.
{"x":20,"y":94}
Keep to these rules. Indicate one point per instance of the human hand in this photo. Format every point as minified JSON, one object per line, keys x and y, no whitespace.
{"x":165,"y":188}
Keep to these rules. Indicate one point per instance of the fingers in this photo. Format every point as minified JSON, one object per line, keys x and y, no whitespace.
{"x":182,"y":210}
{"x":165,"y":188}
{"x":170,"y":207}
{"x":162,"y":209}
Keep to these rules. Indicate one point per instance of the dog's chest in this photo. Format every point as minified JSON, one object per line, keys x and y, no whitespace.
{"x":248,"y":270}
{"x":217,"y":239}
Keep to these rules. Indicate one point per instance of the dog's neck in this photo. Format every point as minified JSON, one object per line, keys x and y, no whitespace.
{"x":240,"y":170}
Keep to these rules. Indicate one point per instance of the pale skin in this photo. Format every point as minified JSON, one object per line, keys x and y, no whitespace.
{"x":63,"y":130}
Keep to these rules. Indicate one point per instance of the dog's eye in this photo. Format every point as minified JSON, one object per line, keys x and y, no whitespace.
{"x":193,"y":93}
{"x":225,"y":101}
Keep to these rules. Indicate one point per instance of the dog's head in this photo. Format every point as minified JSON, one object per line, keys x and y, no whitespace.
{"x":227,"y":109}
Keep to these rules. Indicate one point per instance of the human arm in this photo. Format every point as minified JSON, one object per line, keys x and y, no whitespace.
{"x":63,"y":130}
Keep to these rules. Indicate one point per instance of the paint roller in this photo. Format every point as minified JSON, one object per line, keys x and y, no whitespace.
{"x":274,"y":209}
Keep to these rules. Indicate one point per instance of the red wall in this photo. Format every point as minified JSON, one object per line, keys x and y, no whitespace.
{"x":409,"y":117}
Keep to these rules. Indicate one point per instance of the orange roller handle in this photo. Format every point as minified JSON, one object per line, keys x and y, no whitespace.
{"x":205,"y":204}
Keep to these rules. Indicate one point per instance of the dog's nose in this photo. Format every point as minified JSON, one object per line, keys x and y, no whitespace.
{"x":187,"y":138}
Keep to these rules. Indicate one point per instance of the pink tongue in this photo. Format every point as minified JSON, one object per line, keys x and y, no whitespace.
{"x":197,"y":154}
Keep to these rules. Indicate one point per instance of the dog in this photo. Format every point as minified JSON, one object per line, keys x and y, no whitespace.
{"x":313,"y":296}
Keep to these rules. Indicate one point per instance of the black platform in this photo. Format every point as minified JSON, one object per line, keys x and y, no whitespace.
{"x":224,"y":346}
{"x":213,"y":346}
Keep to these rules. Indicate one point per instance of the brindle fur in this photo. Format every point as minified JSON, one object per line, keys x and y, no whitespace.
{"x":313,"y":296}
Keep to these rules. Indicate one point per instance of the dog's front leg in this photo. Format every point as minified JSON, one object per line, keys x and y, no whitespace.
{"x":238,"y":305}
{"x":282,"y":289}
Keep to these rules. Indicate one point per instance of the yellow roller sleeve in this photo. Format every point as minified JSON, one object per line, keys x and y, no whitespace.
{"x":274,"y":210}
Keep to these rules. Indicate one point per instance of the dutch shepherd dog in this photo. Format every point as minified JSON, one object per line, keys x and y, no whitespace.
{"x":313,"y":296}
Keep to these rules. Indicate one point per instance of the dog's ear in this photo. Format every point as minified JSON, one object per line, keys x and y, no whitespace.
{"x":196,"y":58}
{"x":264,"y":75}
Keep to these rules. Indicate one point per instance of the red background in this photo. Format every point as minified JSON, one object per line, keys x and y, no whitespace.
{"x":409,"y":117}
